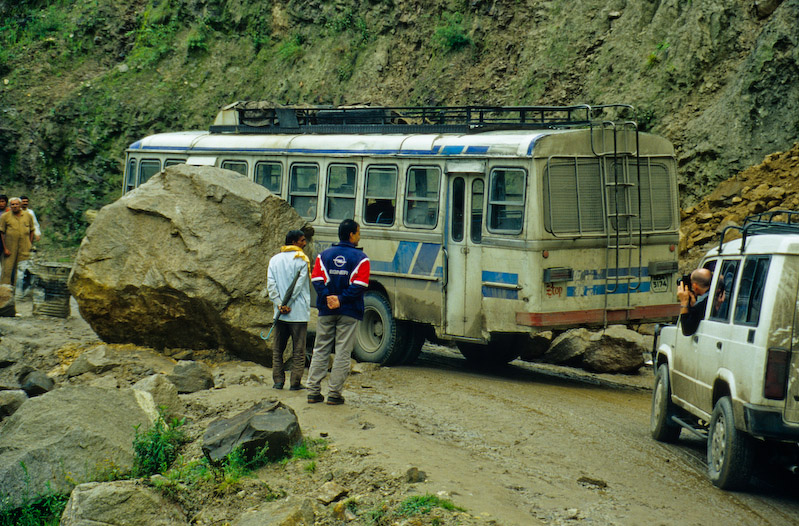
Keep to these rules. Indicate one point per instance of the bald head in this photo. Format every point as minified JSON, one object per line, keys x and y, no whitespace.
{"x":701,"y":277}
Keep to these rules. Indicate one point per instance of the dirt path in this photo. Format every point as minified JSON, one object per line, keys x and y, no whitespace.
{"x":528,"y":444}
{"x":526,"y":447}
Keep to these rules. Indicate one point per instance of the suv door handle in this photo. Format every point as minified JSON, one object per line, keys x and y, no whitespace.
{"x":718,"y":345}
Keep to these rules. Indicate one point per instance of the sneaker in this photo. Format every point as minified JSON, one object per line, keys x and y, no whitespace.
{"x":315,"y":398}
{"x":335,"y":399}
{"x":278,"y":386}
{"x":296,"y":387}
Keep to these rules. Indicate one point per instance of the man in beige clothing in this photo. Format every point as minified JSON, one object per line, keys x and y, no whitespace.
{"x":16,"y":234}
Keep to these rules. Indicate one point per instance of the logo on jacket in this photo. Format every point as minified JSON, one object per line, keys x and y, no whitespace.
{"x":340,"y":261}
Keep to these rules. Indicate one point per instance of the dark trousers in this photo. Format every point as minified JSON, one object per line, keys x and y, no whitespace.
{"x":297,"y":332}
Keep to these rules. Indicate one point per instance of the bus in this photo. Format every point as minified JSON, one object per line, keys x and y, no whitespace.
{"x":485,"y":225}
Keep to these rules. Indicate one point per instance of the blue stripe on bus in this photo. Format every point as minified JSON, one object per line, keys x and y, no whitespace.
{"x":476,"y":149}
{"x":446,"y":150}
{"x":496,"y":292}
{"x":426,"y":258}
{"x":403,"y":256}
{"x":598,"y":290}
{"x":501,"y":277}
{"x":452,"y":149}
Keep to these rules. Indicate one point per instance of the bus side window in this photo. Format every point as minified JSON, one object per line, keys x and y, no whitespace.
{"x":380,"y":197}
{"x":147,"y":169}
{"x":340,"y":202}
{"x":173,"y":162}
{"x":236,"y":166}
{"x":269,"y":176}
{"x":130,"y":177}
{"x":506,"y":200}
{"x":421,"y":196}
{"x":303,"y":184}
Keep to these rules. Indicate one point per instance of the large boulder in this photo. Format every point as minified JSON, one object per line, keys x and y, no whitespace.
{"x":120,"y":502}
{"x":70,"y":435}
{"x":612,"y":350}
{"x":269,"y":423}
{"x":181,"y":262}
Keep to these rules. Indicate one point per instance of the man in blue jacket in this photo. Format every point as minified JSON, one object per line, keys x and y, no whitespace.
{"x":340,"y":277}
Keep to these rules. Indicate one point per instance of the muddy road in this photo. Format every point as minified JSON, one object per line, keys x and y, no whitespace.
{"x":533,"y":445}
{"x":526,"y":444}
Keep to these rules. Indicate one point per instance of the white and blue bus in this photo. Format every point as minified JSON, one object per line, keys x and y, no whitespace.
{"x":484,"y":225}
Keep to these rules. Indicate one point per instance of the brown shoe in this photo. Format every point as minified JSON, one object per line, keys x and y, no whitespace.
{"x":315,"y":398}
{"x":335,"y":399}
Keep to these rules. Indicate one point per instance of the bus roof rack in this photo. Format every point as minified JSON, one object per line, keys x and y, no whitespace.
{"x":773,"y":222}
{"x":267,"y":118}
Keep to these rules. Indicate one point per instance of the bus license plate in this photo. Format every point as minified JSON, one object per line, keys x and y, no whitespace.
{"x":660,"y":283}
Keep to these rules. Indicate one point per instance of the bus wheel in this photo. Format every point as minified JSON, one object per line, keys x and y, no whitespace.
{"x":411,"y":341}
{"x":491,"y":355}
{"x":376,"y":339}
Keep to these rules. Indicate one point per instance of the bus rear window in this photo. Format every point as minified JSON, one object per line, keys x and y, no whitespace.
{"x":506,"y":201}
{"x":303,"y":188}
{"x":421,"y":196}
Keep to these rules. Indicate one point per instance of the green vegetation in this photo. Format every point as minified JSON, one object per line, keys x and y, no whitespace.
{"x":156,"y":448}
{"x":290,"y":50}
{"x":423,"y":504}
{"x":452,"y":36}
{"x":655,"y":57}
{"x":44,"y":510}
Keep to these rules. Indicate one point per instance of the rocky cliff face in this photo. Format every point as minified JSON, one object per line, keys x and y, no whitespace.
{"x":80,"y":82}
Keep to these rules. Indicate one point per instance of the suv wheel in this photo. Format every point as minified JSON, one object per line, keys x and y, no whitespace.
{"x":662,"y":428}
{"x":729,"y":453}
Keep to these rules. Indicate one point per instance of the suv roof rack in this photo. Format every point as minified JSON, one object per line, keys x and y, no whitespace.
{"x":266,"y":118}
{"x":773,"y":222}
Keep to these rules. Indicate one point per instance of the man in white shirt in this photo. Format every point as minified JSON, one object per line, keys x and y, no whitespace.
{"x":290,"y":266}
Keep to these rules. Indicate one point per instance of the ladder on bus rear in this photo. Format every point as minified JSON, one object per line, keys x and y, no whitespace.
{"x":616,"y":145}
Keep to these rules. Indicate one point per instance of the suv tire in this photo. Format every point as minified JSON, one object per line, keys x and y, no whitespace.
{"x":729,"y":451}
{"x":662,"y":428}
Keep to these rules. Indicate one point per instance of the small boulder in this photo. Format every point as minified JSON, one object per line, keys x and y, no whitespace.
{"x":266,"y":423}
{"x":164,"y":393}
{"x":189,"y":376}
{"x":331,"y":492}
{"x":97,"y":360}
{"x":69,"y":435}
{"x":293,"y":511}
{"x":10,"y":401}
{"x":616,"y":349}
{"x":37,"y":383}
{"x":120,"y":502}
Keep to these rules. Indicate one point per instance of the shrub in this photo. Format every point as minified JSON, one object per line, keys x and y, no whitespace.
{"x":422,"y":504}
{"x":452,"y":35}
{"x":44,"y":510}
{"x":156,"y":448}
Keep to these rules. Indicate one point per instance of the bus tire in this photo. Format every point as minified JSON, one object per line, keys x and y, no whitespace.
{"x":376,"y":338}
{"x":492,"y":355}
{"x":412,"y":339}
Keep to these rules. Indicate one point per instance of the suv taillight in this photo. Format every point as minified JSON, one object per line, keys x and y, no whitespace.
{"x":776,"y":373}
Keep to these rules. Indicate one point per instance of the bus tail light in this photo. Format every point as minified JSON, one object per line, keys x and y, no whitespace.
{"x":777,"y":365}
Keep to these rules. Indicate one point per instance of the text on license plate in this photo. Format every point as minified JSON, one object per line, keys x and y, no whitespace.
{"x":659,"y":283}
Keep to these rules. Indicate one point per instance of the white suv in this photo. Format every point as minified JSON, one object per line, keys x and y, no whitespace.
{"x":736,"y":379}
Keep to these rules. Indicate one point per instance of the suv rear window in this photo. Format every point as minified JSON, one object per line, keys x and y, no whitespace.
{"x":750,"y":293}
